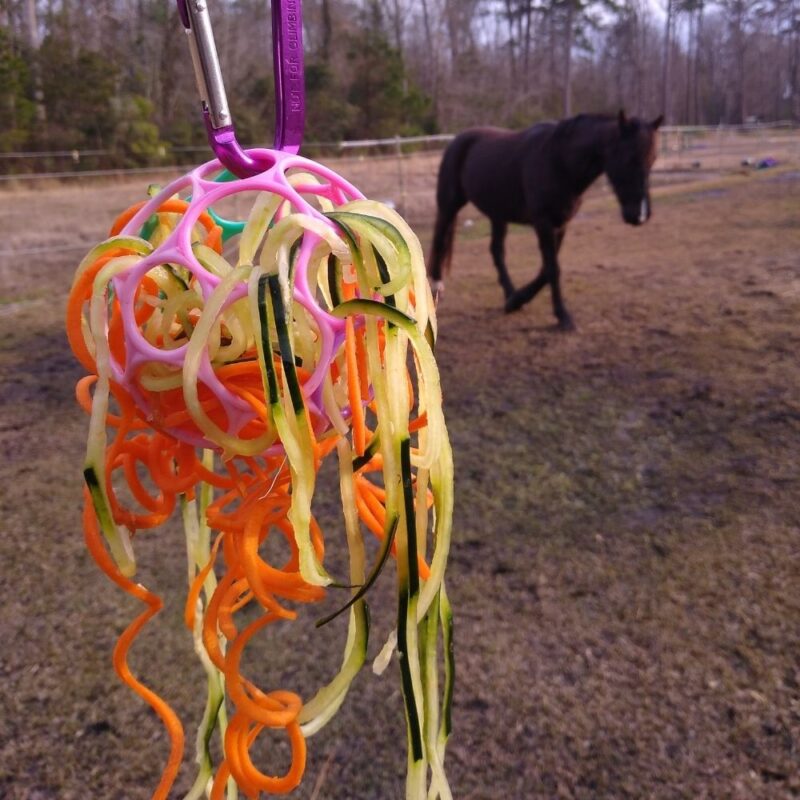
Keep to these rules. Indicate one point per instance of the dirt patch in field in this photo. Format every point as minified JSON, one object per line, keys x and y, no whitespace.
{"x":626,"y":564}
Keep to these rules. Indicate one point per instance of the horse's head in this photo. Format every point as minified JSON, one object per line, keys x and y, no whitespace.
{"x":630,"y":153}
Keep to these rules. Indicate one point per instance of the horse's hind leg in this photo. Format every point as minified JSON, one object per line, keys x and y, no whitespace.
{"x":498,"y":251}
{"x":442,"y":245}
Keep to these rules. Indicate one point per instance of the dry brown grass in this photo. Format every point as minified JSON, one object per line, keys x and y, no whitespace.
{"x":626,"y":570}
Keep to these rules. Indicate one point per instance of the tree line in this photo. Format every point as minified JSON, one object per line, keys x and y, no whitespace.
{"x":115,"y":75}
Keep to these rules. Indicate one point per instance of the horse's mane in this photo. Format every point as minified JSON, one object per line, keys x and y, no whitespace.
{"x":568,"y":127}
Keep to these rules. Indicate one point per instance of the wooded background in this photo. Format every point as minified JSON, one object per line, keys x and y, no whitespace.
{"x":116,"y":74}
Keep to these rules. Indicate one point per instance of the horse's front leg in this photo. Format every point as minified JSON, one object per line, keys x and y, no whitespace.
{"x":554,"y":276}
{"x":550,"y":240}
{"x":498,"y":251}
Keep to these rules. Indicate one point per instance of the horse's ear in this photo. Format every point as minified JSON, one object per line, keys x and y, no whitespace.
{"x":657,"y":122}
{"x":623,"y":119}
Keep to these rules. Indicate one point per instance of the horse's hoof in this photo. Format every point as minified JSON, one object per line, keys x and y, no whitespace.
{"x":514,"y":303}
{"x":566,"y":324}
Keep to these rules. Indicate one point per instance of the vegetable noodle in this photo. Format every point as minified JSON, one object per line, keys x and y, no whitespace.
{"x":225,"y":363}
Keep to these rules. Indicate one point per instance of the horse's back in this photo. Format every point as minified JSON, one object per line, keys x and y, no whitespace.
{"x":492,"y":163}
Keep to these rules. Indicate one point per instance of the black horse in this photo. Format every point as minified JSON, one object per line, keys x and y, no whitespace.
{"x":537,"y":177}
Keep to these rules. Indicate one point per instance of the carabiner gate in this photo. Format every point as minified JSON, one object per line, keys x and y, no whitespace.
{"x":287,"y":43}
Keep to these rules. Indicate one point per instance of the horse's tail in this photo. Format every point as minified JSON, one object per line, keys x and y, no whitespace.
{"x":450,"y":198}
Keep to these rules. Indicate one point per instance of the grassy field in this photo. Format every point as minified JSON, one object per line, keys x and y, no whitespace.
{"x":626,"y":564}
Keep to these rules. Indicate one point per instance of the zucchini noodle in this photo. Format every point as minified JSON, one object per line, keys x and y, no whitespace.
{"x":225,"y":364}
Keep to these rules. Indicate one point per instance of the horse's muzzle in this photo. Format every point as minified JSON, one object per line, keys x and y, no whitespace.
{"x":637,"y":214}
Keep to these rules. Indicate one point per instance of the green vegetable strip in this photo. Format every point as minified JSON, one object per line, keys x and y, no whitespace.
{"x":265,"y":345}
{"x":365,"y":284}
{"x":429,"y":386}
{"x":446,"y":617}
{"x":299,"y":450}
{"x":299,"y":454}
{"x":387,"y":243}
{"x":369,"y":452}
{"x":392,"y":373}
{"x":285,"y":345}
{"x":441,"y":479}
{"x":119,"y":542}
{"x":383,"y":557}
{"x":410,"y":517}
{"x":404,"y":612}
{"x":198,"y":544}
{"x":436,"y":444}
{"x":334,"y":279}
{"x":383,"y":271}
{"x":434,"y":466}
{"x":324,"y":704}
{"x":435,"y":753}
{"x":421,"y":506}
{"x":407,"y":244}
{"x":94,"y":466}
{"x":198,"y":552}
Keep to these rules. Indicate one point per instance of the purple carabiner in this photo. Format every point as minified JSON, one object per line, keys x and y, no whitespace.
{"x":287,"y":59}
{"x":287,"y":49}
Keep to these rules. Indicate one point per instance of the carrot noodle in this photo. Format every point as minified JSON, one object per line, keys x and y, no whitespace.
{"x":222,"y":374}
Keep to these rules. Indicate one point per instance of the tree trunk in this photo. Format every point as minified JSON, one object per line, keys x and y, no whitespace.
{"x":526,"y":54}
{"x":569,"y":34}
{"x":666,"y":96}
{"x":687,"y":100}
{"x":432,"y":58}
{"x":698,"y":34}
{"x":398,"y":27}
{"x":32,"y":24}
{"x":327,"y":32}
{"x":451,"y":19}
{"x":795,"y":77}
{"x":551,"y":53}
{"x":512,"y":54}
{"x":740,"y":57}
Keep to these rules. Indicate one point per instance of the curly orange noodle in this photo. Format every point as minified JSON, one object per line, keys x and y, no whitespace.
{"x":95,"y":545}
{"x":395,"y":470}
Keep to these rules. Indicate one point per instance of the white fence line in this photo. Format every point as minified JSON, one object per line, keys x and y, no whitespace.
{"x":748,"y":127}
{"x":396,"y":141}
{"x":77,"y":155}
{"x":88,"y":173}
{"x":681,"y":134}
